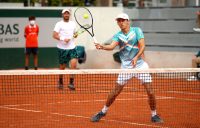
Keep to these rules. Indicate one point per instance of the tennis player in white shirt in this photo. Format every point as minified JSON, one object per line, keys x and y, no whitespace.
{"x":64,"y":31}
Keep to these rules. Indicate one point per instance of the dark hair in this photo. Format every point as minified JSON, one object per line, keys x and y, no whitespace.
{"x":31,"y":18}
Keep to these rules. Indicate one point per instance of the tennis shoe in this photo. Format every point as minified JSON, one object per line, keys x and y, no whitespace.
{"x":192,"y":78}
{"x":71,"y":87}
{"x":98,"y":116}
{"x":156,"y":119}
{"x":196,"y":29}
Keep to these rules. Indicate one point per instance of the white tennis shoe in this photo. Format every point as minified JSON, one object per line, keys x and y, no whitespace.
{"x":196,"y":29}
{"x":192,"y":78}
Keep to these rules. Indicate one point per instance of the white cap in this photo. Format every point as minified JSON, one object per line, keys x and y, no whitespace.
{"x":66,"y":10}
{"x":122,"y":16}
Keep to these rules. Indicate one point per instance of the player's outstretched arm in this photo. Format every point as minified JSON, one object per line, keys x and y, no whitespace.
{"x":106,"y":47}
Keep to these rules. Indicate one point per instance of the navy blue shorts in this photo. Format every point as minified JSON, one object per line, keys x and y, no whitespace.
{"x":34,"y":51}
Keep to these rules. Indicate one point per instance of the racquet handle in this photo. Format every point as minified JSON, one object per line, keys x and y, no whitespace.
{"x":95,"y":40}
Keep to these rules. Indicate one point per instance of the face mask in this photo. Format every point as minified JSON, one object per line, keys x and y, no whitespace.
{"x":32,"y":22}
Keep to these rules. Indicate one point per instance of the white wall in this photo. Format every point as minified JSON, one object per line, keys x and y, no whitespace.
{"x":165,"y":59}
{"x":11,"y":4}
{"x":156,"y":59}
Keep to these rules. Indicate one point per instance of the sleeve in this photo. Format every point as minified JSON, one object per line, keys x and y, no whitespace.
{"x":115,"y":38}
{"x":139,"y":33}
{"x":57,"y":27}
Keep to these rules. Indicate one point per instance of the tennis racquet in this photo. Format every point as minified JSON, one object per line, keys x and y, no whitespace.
{"x":85,"y":20}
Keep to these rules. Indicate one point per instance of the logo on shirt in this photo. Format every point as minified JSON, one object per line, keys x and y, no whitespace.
{"x":128,"y":38}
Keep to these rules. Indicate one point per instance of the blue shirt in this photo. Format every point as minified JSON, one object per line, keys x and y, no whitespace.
{"x":128,"y":44}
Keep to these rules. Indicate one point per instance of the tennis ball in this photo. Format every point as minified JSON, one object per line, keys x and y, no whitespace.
{"x":85,"y":16}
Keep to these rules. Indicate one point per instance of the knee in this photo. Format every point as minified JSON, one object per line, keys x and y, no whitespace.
{"x":149,"y":89}
{"x":121,"y":82}
{"x":118,"y":89}
{"x":150,"y":92}
{"x":194,"y":60}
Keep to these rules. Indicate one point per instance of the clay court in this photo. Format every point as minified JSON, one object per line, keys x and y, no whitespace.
{"x":35,"y":101}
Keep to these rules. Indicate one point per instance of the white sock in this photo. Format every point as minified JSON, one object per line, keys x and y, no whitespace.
{"x":153,"y":113}
{"x":105,"y":109}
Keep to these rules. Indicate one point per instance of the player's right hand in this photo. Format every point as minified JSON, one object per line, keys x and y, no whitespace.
{"x":134,"y":61}
{"x":98,"y":46}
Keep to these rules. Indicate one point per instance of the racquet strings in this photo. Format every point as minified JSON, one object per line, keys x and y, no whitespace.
{"x":85,"y":22}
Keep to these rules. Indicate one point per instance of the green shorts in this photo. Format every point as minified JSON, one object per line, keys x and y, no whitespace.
{"x":66,"y":55}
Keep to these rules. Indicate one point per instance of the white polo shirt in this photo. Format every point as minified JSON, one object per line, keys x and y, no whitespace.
{"x":66,"y":30}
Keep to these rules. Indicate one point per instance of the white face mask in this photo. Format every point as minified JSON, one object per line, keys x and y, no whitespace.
{"x":32,"y":22}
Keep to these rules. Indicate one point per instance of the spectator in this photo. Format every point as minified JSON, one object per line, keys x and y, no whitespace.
{"x":195,"y":64}
{"x":178,"y":3}
{"x":125,"y":3}
{"x":196,"y":60}
{"x":31,"y":32}
{"x":141,"y":3}
{"x":198,"y":22}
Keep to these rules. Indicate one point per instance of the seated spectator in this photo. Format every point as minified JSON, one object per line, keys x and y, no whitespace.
{"x":195,"y":64}
{"x":178,"y":3}
{"x":141,"y":3}
{"x":198,"y":22}
{"x":196,"y":60}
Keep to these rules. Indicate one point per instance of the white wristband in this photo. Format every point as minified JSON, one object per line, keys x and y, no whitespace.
{"x":62,"y":38}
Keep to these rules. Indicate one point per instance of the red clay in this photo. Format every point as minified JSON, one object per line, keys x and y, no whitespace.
{"x":36,"y":102}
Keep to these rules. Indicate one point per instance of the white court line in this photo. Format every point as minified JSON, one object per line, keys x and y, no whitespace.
{"x":135,"y":91}
{"x":15,"y":105}
{"x":85,"y":117}
{"x":18,"y":109}
{"x":123,"y":122}
{"x":82,"y":101}
{"x":180,"y":92}
{"x":103,"y":100}
{"x":169,"y":97}
{"x":186,"y":99}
